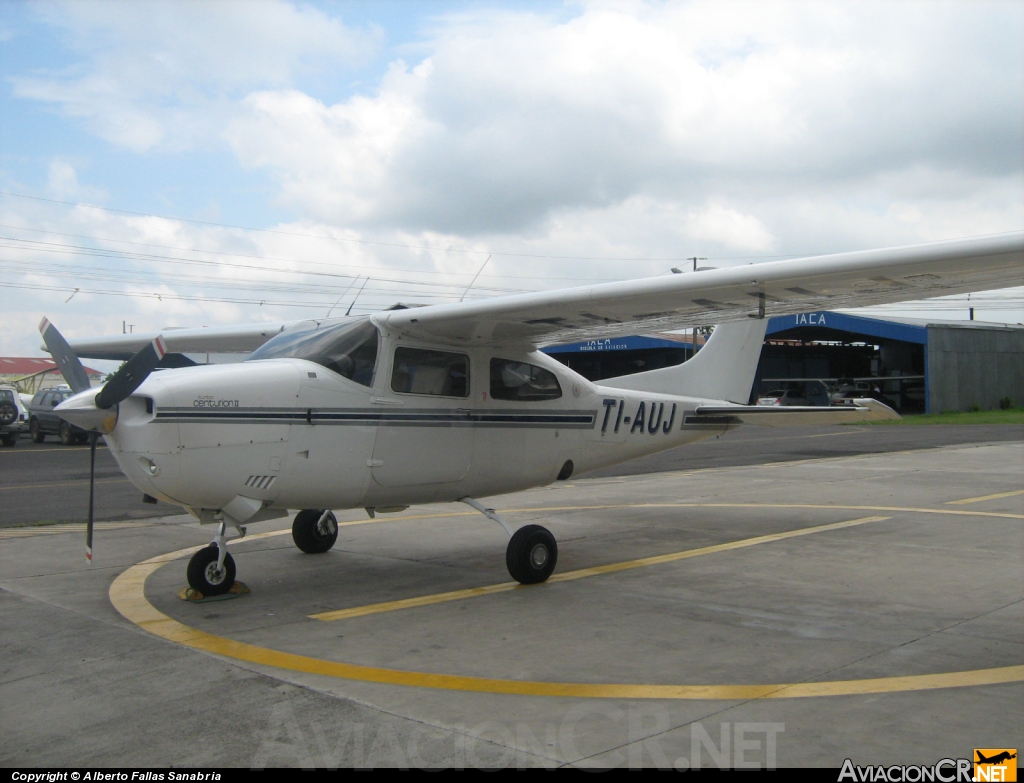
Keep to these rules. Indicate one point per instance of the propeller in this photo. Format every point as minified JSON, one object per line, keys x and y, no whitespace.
{"x":131,"y":375}
{"x":70,"y":367}
{"x":89,"y":411}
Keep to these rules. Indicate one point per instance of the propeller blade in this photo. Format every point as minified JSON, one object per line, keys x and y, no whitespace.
{"x":131,"y":375}
{"x":70,"y":367}
{"x":92,"y":485}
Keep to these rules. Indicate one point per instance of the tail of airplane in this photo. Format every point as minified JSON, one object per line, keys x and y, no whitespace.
{"x":723,"y":369}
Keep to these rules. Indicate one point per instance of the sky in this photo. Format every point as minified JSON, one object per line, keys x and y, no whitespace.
{"x":184,"y":164}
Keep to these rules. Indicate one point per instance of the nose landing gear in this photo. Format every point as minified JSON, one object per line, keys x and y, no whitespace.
{"x":211,"y":571}
{"x":206,"y":576}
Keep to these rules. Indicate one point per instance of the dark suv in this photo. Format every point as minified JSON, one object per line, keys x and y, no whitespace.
{"x":43,"y":421}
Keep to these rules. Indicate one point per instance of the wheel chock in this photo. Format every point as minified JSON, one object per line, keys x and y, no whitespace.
{"x":194,"y":596}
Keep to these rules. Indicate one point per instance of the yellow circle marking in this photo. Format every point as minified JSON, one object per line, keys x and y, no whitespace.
{"x":127,"y":594}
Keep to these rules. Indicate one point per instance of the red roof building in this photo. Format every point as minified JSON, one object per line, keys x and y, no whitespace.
{"x":45,"y":372}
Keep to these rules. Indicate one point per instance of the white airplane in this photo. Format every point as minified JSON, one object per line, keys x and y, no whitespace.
{"x":455,"y":402}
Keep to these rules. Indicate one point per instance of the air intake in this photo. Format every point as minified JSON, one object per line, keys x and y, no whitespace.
{"x":260,"y":482}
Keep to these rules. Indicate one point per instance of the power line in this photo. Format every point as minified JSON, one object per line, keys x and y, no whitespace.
{"x":376,"y":243}
{"x":56,"y":247}
{"x":292,"y":260}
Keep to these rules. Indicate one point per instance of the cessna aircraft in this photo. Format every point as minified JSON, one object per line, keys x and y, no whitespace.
{"x":455,"y":402}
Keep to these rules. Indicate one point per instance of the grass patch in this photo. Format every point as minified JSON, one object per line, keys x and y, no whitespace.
{"x":1009,"y":416}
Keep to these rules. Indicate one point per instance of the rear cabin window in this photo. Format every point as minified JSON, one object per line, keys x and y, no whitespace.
{"x":521,"y":382}
{"x":437,"y":373}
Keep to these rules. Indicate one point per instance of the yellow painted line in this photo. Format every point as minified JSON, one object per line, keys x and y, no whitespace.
{"x":583,"y":573}
{"x":76,"y":527}
{"x":65,"y":484}
{"x":998,"y":495}
{"x":127,"y":594}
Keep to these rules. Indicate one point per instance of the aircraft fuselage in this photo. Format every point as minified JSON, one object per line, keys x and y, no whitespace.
{"x":290,"y":433}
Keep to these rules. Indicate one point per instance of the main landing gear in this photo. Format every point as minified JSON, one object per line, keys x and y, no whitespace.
{"x":532,"y":552}
{"x":315,"y":531}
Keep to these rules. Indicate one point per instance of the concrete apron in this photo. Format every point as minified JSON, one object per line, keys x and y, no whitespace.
{"x":903,"y":592}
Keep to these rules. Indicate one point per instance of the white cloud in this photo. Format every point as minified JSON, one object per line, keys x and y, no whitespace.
{"x":513,"y":118}
{"x":629,"y":131}
{"x":170,"y":73}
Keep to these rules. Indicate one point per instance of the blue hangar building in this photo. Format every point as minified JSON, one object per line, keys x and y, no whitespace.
{"x":916,"y":366}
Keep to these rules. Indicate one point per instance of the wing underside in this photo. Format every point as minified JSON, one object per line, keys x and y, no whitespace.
{"x":215,"y":339}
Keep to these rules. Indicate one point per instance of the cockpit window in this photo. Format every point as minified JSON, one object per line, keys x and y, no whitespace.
{"x":349,"y":349}
{"x":522,"y":382}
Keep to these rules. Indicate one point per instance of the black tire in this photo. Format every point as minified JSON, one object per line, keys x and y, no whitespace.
{"x":311,"y":539}
{"x":10,"y":440}
{"x":38,"y":436}
{"x":8,"y":413}
{"x":203,"y":575}
{"x":531,"y":554}
{"x":67,"y":437}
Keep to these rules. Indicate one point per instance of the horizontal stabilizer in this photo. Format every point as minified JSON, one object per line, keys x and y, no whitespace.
{"x":793,"y":416}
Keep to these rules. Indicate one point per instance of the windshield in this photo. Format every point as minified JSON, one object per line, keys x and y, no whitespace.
{"x":349,"y":349}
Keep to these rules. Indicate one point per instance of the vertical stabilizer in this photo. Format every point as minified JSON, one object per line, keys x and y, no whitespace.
{"x":722,"y":370}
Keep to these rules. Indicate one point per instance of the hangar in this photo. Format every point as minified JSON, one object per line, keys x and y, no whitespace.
{"x":917,"y":366}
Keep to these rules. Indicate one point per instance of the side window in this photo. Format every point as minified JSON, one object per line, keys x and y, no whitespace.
{"x":522,"y":382}
{"x":437,"y":373}
{"x":38,"y":399}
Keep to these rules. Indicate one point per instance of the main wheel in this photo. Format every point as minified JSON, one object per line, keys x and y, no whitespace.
{"x":38,"y":436}
{"x":67,"y":437}
{"x":531,"y":554}
{"x":310,"y":535}
{"x":204,"y":576}
{"x":10,"y":440}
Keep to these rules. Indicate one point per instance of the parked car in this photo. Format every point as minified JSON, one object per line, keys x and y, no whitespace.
{"x":43,"y":421}
{"x":13,"y":416}
{"x":848,"y":387}
{"x":863,"y":394}
{"x":783,"y":397}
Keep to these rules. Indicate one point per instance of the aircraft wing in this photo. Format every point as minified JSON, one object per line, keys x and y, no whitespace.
{"x":212,"y":339}
{"x":844,"y":280}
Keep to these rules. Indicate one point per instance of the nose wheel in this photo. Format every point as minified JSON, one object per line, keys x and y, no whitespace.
{"x":209,"y":577}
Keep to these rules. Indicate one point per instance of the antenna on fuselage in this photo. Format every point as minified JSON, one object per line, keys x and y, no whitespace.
{"x":367,"y":280}
{"x":354,"y":279}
